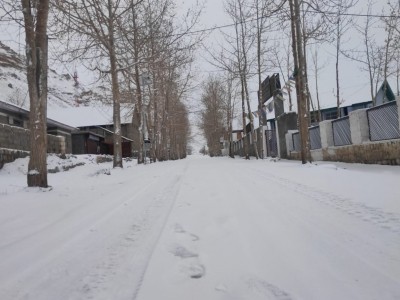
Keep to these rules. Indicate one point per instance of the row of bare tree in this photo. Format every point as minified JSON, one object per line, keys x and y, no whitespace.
{"x":282,"y":35}
{"x":138,"y":46}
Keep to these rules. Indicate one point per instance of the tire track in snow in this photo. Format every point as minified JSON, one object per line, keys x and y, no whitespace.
{"x":57,"y":262}
{"x":170,"y":193}
{"x":385,"y":220}
{"x":121,"y":271}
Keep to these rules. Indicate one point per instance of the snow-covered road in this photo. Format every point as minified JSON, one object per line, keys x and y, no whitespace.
{"x":201,"y":228}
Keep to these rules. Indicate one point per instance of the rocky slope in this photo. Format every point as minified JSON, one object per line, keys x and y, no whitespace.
{"x":62,"y":90}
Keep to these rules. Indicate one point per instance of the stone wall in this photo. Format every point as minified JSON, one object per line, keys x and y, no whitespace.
{"x":383,"y":153}
{"x":14,"y":143}
{"x":13,"y":137}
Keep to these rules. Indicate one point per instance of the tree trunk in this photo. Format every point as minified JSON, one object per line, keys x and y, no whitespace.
{"x":316,"y":87}
{"x":117,"y":163}
{"x":305,"y":142}
{"x":288,"y":72}
{"x":254,"y":136}
{"x":245,"y":145}
{"x":244,"y":78}
{"x":138,"y":83}
{"x":36,"y":56}
{"x":299,"y":72}
{"x":337,"y":68}
{"x":260,"y":95}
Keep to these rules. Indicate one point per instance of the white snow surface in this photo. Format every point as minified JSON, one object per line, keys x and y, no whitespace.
{"x":200,"y":228}
{"x":83,"y":116}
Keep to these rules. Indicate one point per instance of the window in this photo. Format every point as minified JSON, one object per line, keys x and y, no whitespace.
{"x":17,"y":122}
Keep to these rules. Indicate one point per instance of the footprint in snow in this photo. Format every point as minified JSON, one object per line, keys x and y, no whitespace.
{"x":178,"y":228}
{"x":195,"y":271}
{"x":182,"y":252}
{"x":265,"y":288}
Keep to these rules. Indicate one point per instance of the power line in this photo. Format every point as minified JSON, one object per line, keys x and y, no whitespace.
{"x":263,"y":17}
{"x":353,"y":14}
{"x":211,"y":29}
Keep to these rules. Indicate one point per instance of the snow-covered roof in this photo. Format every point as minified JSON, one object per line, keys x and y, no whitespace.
{"x":84,"y":116}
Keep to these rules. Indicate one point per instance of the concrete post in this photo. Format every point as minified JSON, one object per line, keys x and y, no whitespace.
{"x":264,"y":141}
{"x":326,"y":133}
{"x":284,"y":123}
{"x":289,"y":141}
{"x":359,"y":126}
{"x":398,"y":108}
{"x":278,"y":139}
{"x":62,"y":145}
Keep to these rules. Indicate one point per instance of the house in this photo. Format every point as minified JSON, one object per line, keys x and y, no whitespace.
{"x":96,"y":129}
{"x":330,"y":113}
{"x":382,"y":96}
{"x":85,"y":130}
{"x":16,"y":119}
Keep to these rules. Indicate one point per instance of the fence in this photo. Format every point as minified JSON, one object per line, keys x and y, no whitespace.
{"x":383,"y":122}
{"x":341,"y":131}
{"x":365,"y":136}
{"x":315,"y":138}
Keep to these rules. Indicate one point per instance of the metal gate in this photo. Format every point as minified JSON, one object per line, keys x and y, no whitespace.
{"x":272,"y":146}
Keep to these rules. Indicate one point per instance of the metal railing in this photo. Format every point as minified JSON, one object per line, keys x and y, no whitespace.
{"x":383,"y":122}
{"x":315,"y":138}
{"x":341,"y":131}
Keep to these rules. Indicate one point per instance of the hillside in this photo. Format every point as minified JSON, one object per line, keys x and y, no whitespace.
{"x":62,"y":90}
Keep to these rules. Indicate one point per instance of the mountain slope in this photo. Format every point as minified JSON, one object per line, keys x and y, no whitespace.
{"x":62,"y":89}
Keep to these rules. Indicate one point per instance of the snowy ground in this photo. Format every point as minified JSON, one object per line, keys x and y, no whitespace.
{"x":201,"y":229}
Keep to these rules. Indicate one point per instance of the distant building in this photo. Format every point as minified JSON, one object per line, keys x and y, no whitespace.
{"x":96,"y":128}
{"x":16,"y":116}
{"x":382,"y":97}
{"x":331,"y":112}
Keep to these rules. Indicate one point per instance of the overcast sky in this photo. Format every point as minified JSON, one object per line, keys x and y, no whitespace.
{"x":354,"y":83}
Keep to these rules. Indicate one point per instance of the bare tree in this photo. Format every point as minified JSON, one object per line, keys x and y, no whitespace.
{"x":35,"y":21}
{"x":230,"y":106}
{"x":372,"y":56}
{"x":263,"y":10}
{"x":342,"y":23}
{"x":96,"y":23}
{"x":243,"y":43}
{"x":282,"y":61}
{"x":230,"y":60}
{"x":315,"y":30}
{"x":317,"y":69}
{"x":301,"y":90}
{"x":213,"y":116}
{"x":156,"y":44}
{"x":33,"y":17}
{"x":392,"y":39}
{"x":396,"y":59}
